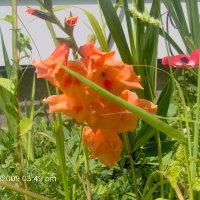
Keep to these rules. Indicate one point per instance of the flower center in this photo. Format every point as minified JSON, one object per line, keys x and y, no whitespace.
{"x":106,"y":82}
{"x":184,"y":60}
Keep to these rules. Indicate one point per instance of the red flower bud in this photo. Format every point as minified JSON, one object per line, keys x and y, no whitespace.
{"x":40,"y":14}
{"x":71,"y":21}
{"x":31,"y":11}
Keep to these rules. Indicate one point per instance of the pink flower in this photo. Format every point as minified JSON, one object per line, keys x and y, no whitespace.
{"x":183,"y":61}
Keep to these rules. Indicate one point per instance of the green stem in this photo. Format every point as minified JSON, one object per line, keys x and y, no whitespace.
{"x":87,"y":167}
{"x":188,"y":173}
{"x":70,"y":34}
{"x":15,"y":67}
{"x":130,"y":31}
{"x":22,"y":191}
{"x":15,"y":77}
{"x":196,"y":131}
{"x":128,"y":148}
{"x":61,"y":155}
{"x":30,"y":149}
{"x":87,"y":172}
{"x":160,"y":163}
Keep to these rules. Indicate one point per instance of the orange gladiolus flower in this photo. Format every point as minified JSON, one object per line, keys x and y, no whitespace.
{"x":105,"y":145}
{"x":108,"y":72}
{"x":105,"y":118}
{"x":49,"y":68}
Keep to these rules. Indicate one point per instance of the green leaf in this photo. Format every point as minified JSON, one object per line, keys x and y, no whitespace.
{"x":130,"y":31}
{"x":7,"y":102}
{"x":8,"y":85}
{"x":48,"y":4}
{"x":175,"y":10}
{"x":149,"y":118}
{"x":25,"y":125}
{"x":97,"y":29}
{"x":5,"y":56}
{"x":151,"y":148}
{"x":5,"y":140}
{"x":8,"y":18}
{"x":170,"y":40}
{"x":196,"y":185}
{"x":116,"y":30}
{"x":49,"y":136}
{"x":59,"y":8}
{"x":147,"y":131}
{"x":151,"y":191}
{"x":193,"y":16}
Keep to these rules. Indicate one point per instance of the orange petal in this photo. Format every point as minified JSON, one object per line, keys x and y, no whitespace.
{"x":105,"y":145}
{"x":143,"y":103}
{"x":68,"y":106}
{"x":118,"y":119}
{"x":88,"y":136}
{"x":49,"y":68}
{"x":107,"y":71}
{"x":71,"y":21}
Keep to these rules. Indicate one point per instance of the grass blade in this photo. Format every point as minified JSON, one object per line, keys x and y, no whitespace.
{"x":193,"y":16}
{"x":5,"y":56}
{"x":149,"y":118}
{"x":116,"y":30}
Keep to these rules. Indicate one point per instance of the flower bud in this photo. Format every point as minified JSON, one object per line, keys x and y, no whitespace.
{"x":40,"y":14}
{"x":70,"y":23}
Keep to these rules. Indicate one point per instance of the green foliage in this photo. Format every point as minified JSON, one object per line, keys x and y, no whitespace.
{"x":25,"y":125}
{"x":164,"y":148}
{"x":5,"y":56}
{"x":113,"y":22}
{"x":188,"y":32}
{"x":7,"y":102}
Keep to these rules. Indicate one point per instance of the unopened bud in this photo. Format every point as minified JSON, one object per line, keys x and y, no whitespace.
{"x":40,"y":14}
{"x":70,"y":23}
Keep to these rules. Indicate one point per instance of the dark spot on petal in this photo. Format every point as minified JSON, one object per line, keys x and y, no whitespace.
{"x":184,"y":59}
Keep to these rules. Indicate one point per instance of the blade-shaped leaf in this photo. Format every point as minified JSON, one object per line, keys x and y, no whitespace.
{"x":5,"y":56}
{"x":25,"y":125}
{"x":147,"y":131}
{"x":116,"y":30}
{"x":97,"y":29}
{"x":149,"y":118}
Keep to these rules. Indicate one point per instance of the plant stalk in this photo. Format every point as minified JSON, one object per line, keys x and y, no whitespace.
{"x":87,"y":172}
{"x":128,"y":148}
{"x":15,"y":78}
{"x":22,"y":191}
{"x":61,"y":153}
{"x":196,"y":131}
{"x":160,"y":163}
